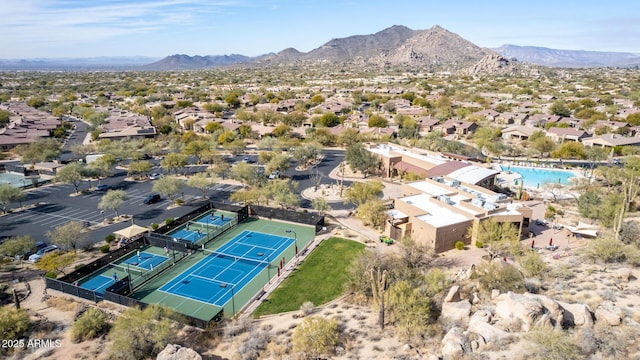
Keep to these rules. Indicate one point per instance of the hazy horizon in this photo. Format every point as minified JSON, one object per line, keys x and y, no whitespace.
{"x":157,"y":28}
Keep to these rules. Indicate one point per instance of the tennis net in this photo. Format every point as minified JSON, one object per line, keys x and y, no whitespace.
{"x":235,"y":258}
{"x":127,"y":269}
{"x":195,"y":226}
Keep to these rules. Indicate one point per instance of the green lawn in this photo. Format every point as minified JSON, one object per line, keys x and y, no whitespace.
{"x":318,"y":279}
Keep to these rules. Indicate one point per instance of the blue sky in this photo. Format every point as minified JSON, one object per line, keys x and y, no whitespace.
{"x":88,"y":28}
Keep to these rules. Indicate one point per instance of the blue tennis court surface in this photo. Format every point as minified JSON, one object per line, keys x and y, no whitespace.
{"x":146,"y":261}
{"x":188,"y":235}
{"x":216,"y":220}
{"x":216,"y":277}
{"x":98,"y":284}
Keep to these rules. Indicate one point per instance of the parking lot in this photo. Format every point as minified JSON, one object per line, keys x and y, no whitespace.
{"x":54,"y":205}
{"x":57,"y":204}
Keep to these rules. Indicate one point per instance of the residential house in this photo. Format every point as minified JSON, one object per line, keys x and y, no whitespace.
{"x":559,"y":134}
{"x":612,"y":140}
{"x":518,"y":132}
{"x":458,"y":127}
{"x":426,"y":124}
{"x":488,"y":114}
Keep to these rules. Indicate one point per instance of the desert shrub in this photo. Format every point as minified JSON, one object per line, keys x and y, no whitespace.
{"x":109,"y":238}
{"x":253,"y":344}
{"x":609,"y":250}
{"x":630,"y":233}
{"x":105,"y":248}
{"x":306,"y":308}
{"x":140,"y":334}
{"x":14,"y":324}
{"x":532,"y":264}
{"x":551,"y":345}
{"x":51,"y":275}
{"x":237,"y":327}
{"x":479,"y":244}
{"x":168,"y":221}
{"x":501,"y":276}
{"x":409,"y":309}
{"x":435,"y":281}
{"x":459,"y":245}
{"x":562,"y":271}
{"x":316,"y":337}
{"x":77,"y":266}
{"x":90,"y":325}
{"x":532,"y":285}
{"x":610,"y":342}
{"x":155,"y":226}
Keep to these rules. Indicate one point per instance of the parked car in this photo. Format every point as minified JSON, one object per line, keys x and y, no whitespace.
{"x":151,"y":199}
{"x":37,"y":246}
{"x":155,"y":176}
{"x":40,"y":253}
{"x":103,"y":187}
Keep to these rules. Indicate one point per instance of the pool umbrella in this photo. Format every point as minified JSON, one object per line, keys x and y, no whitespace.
{"x":551,"y":242}
{"x":532,"y":243}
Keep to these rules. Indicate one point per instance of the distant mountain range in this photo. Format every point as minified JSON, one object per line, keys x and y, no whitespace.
{"x":77,"y":64}
{"x":568,"y":58}
{"x":431,"y":49}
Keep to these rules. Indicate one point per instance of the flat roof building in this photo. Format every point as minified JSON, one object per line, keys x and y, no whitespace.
{"x":441,"y":211}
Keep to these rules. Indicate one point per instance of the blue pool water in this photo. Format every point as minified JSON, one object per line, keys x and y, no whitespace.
{"x":537,"y":177}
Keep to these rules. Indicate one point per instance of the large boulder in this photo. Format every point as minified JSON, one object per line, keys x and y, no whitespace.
{"x":453,"y":295}
{"x":515,"y":308}
{"x":456,"y":312}
{"x":576,"y":315}
{"x":453,"y":343}
{"x":608,"y":313}
{"x":623,"y":274}
{"x":480,"y":323}
{"x":555,"y":311}
{"x":177,"y":352}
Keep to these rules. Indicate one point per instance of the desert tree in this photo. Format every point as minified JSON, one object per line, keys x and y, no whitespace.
{"x":202,"y":182}
{"x":71,"y":174}
{"x":168,"y":186}
{"x":112,"y":200}
{"x":321,"y":205}
{"x":56,"y":262}
{"x":174,"y":161}
{"x":361,"y":192}
{"x":9,"y":194}
{"x":68,"y":235}
{"x":17,"y":245}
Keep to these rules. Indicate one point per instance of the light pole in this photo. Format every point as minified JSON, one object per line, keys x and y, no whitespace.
{"x":102,"y":213}
{"x":233,"y":301}
{"x":295,"y":238}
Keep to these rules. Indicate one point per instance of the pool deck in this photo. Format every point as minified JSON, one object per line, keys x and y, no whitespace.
{"x":506,"y":178}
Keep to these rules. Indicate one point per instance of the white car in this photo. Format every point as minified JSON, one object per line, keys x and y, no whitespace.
{"x":155,"y":176}
{"x":38,"y":255}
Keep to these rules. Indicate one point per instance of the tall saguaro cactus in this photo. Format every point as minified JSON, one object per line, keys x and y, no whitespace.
{"x":378,"y":287}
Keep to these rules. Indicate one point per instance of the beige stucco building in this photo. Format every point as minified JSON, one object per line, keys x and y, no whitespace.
{"x":437,"y":213}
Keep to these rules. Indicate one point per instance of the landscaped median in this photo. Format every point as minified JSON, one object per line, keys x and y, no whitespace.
{"x":319,"y":279}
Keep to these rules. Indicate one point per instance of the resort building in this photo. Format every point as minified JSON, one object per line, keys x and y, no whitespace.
{"x":438,"y":212}
{"x":449,"y":205}
{"x":396,"y":160}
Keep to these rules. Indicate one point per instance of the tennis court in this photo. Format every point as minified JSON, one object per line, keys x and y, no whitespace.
{"x":220,"y":273}
{"x":204,"y":227}
{"x":99,"y":281}
{"x":230,"y":272}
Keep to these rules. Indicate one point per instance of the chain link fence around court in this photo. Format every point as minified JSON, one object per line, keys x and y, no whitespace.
{"x":308,"y":218}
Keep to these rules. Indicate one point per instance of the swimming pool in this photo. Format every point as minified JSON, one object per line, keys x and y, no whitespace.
{"x":537,"y":177}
